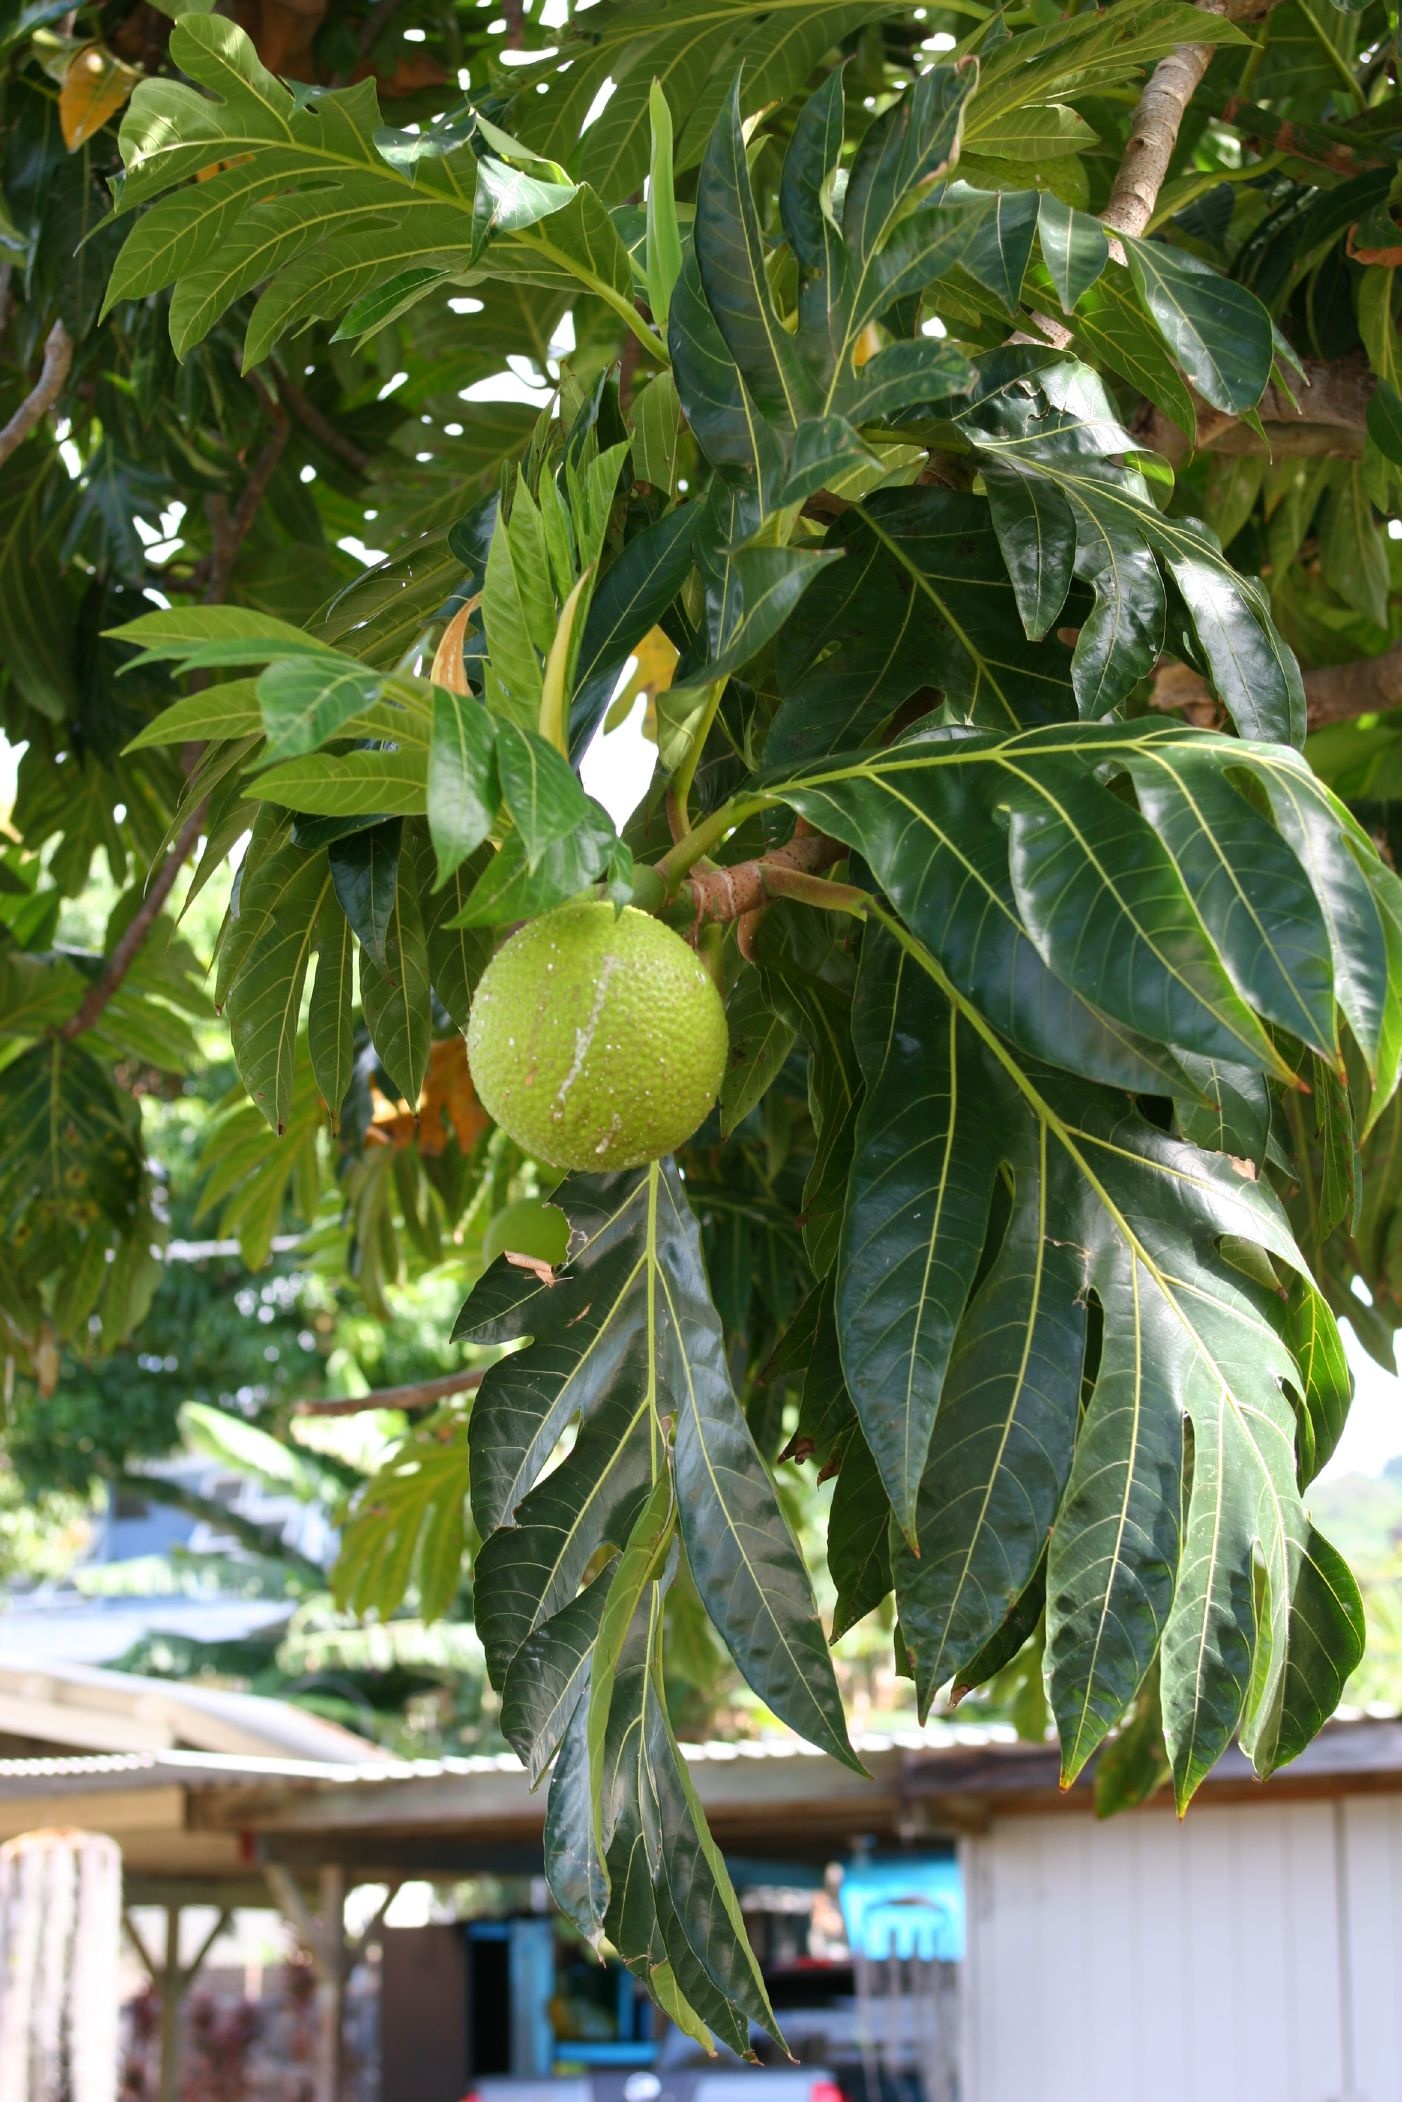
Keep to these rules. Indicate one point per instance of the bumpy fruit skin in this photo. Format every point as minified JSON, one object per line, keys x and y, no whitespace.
{"x":597,"y":1040}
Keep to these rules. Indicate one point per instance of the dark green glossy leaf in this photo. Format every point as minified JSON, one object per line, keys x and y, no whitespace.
{"x":631,"y":597}
{"x":281,"y":904}
{"x":331,"y":1010}
{"x":457,"y":956}
{"x":944,"y":543}
{"x":1055,"y":425}
{"x":549,"y":1675}
{"x":859,"y":1527}
{"x":364,"y":874}
{"x":1218,"y":331}
{"x":395,"y":995}
{"x":509,"y":889}
{"x":1074,"y":249}
{"x":917,"y":1212}
{"x":1385,"y":421}
{"x":730,"y":257}
{"x":596,"y":1356}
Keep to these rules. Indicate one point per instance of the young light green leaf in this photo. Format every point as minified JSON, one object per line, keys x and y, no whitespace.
{"x":664,"y":246}
{"x":461,"y":791}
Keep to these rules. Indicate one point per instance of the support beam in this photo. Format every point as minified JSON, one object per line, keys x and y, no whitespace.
{"x":323,"y":1935}
{"x":171,"y":1981}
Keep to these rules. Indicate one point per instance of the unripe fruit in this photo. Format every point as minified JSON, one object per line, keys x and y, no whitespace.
{"x":597,"y":1039}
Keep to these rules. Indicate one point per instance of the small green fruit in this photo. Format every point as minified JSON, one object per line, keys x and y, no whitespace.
{"x":597,"y":1039}
{"x":528,"y":1227}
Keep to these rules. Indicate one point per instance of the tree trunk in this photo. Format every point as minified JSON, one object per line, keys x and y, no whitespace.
{"x":60,"y":1925}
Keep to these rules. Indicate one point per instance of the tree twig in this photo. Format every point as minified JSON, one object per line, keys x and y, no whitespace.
{"x":320,"y":426}
{"x":229,"y":530}
{"x":103,"y":988}
{"x":58,"y":362}
{"x":421,"y":1394}
{"x":1334,"y":693}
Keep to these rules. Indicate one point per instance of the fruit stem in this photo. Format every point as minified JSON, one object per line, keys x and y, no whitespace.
{"x":679,"y":788}
{"x":694,"y":845}
{"x":781,"y":881}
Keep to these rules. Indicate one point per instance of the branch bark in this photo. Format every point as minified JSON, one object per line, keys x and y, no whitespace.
{"x":421,"y":1394}
{"x":58,"y":362}
{"x":721,"y":895}
{"x":1334,"y":693}
{"x":1153,"y":135}
{"x":1329,"y":423}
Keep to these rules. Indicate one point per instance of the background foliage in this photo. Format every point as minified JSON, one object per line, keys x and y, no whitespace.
{"x":970,"y":436}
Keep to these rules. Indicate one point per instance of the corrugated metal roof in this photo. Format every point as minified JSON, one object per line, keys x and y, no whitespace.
{"x":223,"y":1769}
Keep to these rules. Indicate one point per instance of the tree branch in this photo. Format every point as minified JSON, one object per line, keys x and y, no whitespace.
{"x":103,"y":988}
{"x":231,"y":529}
{"x":1153,"y":135}
{"x":320,"y":426}
{"x":58,"y":362}
{"x":420,"y":1395}
{"x":1329,"y":422}
{"x":720,"y":895}
{"x":1334,"y":693}
{"x":1322,"y":146}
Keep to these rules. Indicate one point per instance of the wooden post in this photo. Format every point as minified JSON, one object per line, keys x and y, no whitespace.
{"x":168,"y":2087}
{"x":171,"y":1980}
{"x":60,"y":1912}
{"x":323,"y":1935}
{"x":331,"y":1988}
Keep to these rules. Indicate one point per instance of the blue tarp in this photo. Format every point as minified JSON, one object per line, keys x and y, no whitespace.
{"x":909,"y":1905}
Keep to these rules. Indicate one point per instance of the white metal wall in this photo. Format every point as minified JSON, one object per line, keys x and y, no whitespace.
{"x":1251,"y":1954}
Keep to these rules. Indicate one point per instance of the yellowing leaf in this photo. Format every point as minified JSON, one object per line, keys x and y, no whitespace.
{"x":448,"y":667}
{"x":654,"y":666}
{"x":95,"y":87}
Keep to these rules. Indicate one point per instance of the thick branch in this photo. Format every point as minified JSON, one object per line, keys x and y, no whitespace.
{"x":1334,"y":693}
{"x":58,"y":361}
{"x":421,"y":1395}
{"x":1329,"y":423}
{"x":1153,"y":133}
{"x":1158,"y":119}
{"x":729,"y":894}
